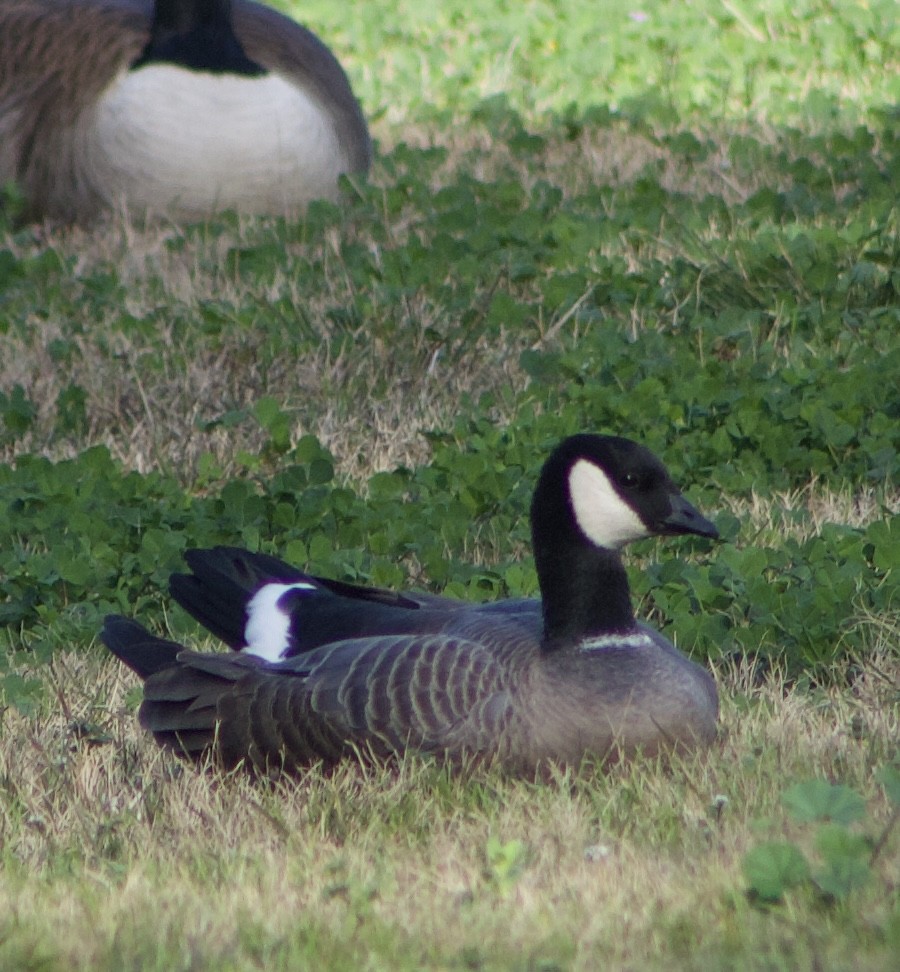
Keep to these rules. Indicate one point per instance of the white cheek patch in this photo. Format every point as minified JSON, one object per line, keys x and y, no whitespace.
{"x":268,"y":624}
{"x":601,"y":514}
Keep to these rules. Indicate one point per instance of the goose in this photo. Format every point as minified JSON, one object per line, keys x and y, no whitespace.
{"x":174,"y":107}
{"x":320,"y":669}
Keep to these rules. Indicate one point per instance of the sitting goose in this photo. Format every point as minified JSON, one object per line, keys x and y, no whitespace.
{"x":322,"y":669}
{"x":181,"y":107}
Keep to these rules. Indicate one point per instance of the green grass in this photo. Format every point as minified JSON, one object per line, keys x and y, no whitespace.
{"x":811,"y":63}
{"x":679,"y":227}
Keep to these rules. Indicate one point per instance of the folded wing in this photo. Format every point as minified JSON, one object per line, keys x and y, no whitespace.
{"x":436,"y":693}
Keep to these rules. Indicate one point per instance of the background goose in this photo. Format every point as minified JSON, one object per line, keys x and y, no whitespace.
{"x":177,"y":106}
{"x":327,"y":668}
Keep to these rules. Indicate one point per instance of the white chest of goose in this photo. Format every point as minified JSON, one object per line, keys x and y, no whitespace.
{"x":173,"y":107}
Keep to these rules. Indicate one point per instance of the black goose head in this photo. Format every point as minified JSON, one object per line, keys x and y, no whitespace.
{"x":595,"y":494}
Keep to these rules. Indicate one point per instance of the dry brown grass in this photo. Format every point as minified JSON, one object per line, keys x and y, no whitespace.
{"x":776,"y":514}
{"x":151,"y":399}
{"x":111,"y":845}
{"x":613,"y":156}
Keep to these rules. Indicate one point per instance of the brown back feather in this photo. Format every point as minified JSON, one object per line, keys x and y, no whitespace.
{"x":382,"y":695}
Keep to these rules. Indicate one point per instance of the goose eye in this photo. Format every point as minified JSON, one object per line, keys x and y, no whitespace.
{"x":629,"y":480}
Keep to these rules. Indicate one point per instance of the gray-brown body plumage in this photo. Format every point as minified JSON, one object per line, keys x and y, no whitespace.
{"x":60,"y":58}
{"x":360,"y":670}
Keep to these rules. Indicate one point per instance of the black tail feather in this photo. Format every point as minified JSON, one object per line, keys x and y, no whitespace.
{"x":142,"y":652}
{"x":223,"y":581}
{"x":180,"y":701}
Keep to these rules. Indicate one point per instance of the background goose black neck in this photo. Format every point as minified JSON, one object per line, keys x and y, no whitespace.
{"x":196,"y":34}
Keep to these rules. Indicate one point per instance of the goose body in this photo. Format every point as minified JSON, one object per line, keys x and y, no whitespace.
{"x":177,"y":107}
{"x":319,"y":669}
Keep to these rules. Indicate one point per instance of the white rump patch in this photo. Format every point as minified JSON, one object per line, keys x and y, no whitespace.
{"x":267,"y":628}
{"x":603,"y":516}
{"x":637,"y":639}
{"x":174,"y":140}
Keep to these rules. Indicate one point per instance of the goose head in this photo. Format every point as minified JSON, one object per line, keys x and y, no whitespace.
{"x":595,"y":494}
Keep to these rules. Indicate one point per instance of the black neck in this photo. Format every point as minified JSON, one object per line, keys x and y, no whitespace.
{"x":198,"y":35}
{"x":584,"y":590}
